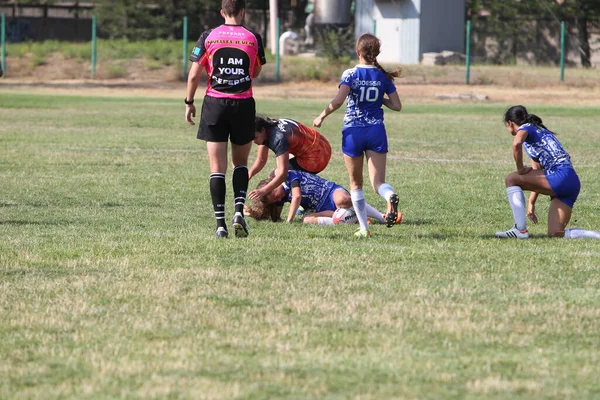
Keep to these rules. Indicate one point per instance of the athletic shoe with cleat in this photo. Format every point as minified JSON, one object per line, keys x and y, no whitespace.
{"x":393,"y":216}
{"x":221,"y":233}
{"x":300,"y":213}
{"x":239,"y":224}
{"x":513,"y":233}
{"x":362,"y":234}
{"x":398,"y":219}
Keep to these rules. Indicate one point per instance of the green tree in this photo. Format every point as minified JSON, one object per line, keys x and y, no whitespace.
{"x":581,"y":12}
{"x":135,"y":20}
{"x":507,"y":20}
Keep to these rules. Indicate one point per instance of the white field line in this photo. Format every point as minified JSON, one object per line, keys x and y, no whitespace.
{"x":587,"y":253}
{"x":130,"y":150}
{"x":390,"y":157}
{"x":448,"y":160}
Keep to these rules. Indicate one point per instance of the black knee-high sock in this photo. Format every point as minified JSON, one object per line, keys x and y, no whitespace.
{"x":217,"y":193}
{"x":240,"y":186}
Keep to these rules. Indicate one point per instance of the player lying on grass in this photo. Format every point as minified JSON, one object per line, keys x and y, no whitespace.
{"x":367,"y":87}
{"x":310,"y":150}
{"x":552,"y":174}
{"x":309,"y":191}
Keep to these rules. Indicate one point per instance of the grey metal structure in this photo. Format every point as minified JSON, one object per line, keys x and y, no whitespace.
{"x":409,"y":28}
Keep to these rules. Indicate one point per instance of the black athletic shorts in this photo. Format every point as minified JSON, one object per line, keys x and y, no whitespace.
{"x":227,"y":119}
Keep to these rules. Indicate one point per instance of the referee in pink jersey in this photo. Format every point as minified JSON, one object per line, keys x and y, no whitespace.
{"x":232,"y":56}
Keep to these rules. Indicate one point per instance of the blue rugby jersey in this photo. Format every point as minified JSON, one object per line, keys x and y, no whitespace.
{"x":364,"y":103}
{"x":315,"y":190}
{"x":542,"y":146}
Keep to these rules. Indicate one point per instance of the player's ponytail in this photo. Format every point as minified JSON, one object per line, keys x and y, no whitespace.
{"x":520,"y":116}
{"x":368,"y":46}
{"x":261,"y":123}
{"x":534,"y":120}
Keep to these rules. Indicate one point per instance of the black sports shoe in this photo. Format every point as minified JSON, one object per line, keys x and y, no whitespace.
{"x":392,"y":215}
{"x":221,"y":232}
{"x":239,"y":224}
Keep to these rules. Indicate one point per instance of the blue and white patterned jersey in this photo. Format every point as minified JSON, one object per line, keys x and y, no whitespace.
{"x":542,"y":146}
{"x":367,"y":85}
{"x":315,"y":190}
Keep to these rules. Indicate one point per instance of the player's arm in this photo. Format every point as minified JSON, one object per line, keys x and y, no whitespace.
{"x":281,"y":173}
{"x":393,"y":101}
{"x":262,"y":156}
{"x":257,"y":69}
{"x":517,"y":149}
{"x":295,"y":203}
{"x":260,"y":56}
{"x":336,"y":103}
{"x":533,"y":197}
{"x":192,"y":84}
{"x":198,"y":58}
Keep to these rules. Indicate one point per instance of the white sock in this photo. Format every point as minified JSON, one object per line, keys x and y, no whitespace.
{"x":576,"y":233}
{"x":359,"y":205}
{"x":516,"y":199}
{"x":372,"y":212}
{"x":386,"y":191}
{"x":324,"y":221}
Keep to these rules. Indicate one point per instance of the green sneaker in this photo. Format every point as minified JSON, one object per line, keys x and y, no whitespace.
{"x":362,"y":234}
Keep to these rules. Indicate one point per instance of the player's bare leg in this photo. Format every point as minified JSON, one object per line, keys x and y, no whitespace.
{"x":377,"y":167}
{"x":534,"y":180}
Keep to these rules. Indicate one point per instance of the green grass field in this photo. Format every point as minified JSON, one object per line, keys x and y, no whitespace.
{"x":112,"y":285}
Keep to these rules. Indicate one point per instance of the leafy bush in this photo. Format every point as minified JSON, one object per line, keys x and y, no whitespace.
{"x":336,"y":44}
{"x":118,"y":70}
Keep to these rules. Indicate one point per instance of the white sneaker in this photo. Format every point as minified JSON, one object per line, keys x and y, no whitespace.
{"x":513,"y":233}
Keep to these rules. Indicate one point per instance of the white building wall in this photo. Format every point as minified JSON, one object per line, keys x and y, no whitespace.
{"x":398,"y":26}
{"x":363,"y":17}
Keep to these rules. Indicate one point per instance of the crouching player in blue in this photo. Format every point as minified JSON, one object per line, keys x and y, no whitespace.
{"x":311,"y":192}
{"x":552,"y":174}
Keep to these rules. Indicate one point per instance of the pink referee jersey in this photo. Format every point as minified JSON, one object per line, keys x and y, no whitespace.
{"x":229,"y":53}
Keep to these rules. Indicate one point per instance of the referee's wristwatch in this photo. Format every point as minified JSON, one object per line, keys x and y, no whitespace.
{"x":188,"y":102}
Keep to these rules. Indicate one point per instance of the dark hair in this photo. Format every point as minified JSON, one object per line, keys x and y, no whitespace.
{"x":369,"y":47}
{"x":233,"y":7}
{"x":261,"y":123}
{"x":520,"y":116}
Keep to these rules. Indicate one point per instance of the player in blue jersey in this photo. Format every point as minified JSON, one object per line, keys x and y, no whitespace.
{"x":309,"y":191}
{"x":551,"y":174}
{"x":367,"y":87}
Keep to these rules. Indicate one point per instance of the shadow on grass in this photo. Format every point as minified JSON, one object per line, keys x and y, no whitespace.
{"x":416,"y":222}
{"x":29,"y":204}
{"x":38,"y":223}
{"x":491,"y":236}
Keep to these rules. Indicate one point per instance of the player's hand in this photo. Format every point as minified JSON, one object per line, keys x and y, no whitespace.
{"x":190,"y":111}
{"x":256,"y":194}
{"x":317,"y":122}
{"x":531,"y":213}
{"x":524,"y":170}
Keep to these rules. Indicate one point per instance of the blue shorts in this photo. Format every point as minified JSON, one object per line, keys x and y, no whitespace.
{"x":358,"y":139}
{"x":565,"y":184}
{"x":328,"y":204}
